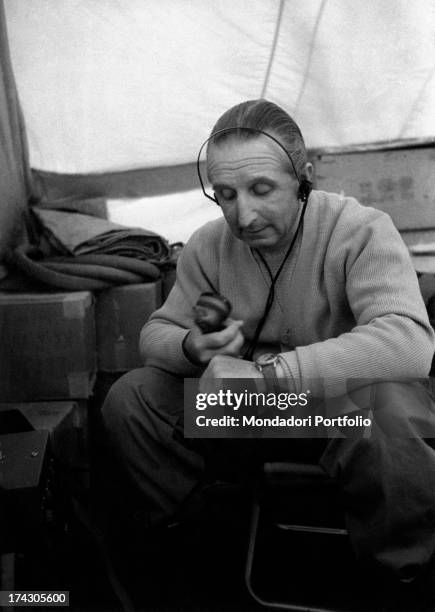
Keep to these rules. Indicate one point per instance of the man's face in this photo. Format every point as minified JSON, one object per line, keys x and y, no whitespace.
{"x":256,"y":191}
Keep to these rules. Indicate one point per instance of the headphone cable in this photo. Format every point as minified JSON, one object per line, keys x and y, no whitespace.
{"x":249,"y":353}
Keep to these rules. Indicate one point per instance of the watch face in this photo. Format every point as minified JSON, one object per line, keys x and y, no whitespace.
{"x":266,"y":359}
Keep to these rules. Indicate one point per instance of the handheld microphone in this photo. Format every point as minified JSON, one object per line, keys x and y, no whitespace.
{"x":210,"y":312}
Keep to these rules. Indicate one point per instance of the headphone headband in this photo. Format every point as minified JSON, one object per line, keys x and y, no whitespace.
{"x":305,"y":185}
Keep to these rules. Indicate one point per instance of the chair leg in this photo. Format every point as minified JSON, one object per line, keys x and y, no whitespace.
{"x":279,"y":605}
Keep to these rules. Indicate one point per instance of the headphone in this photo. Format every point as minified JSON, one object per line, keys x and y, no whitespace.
{"x":304,"y":190}
{"x":305,"y":186}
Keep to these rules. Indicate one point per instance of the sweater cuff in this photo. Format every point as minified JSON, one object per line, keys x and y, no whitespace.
{"x":186,"y":352}
{"x":178,"y":356}
{"x":174,"y":357}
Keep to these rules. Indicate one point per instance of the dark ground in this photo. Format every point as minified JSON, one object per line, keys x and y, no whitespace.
{"x":196,"y":566}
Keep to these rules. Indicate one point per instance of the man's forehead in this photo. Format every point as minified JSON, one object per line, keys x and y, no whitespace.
{"x":253,"y":155}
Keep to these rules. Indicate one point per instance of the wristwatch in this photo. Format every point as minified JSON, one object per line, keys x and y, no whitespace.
{"x":266,"y":364}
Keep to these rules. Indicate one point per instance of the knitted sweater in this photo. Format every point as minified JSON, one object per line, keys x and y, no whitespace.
{"x":347,"y":303}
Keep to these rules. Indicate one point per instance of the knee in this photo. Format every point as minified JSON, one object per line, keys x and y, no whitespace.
{"x":403,"y":410}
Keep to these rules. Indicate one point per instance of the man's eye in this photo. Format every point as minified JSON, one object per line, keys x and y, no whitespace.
{"x":226,"y":194}
{"x":262,"y":189}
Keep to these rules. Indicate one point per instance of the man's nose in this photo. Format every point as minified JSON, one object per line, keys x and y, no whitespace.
{"x":246,"y":214}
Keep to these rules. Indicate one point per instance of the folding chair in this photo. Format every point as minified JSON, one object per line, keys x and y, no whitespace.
{"x":299,"y":500}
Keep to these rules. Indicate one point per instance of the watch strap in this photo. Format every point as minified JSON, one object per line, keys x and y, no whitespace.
{"x":267,"y":365}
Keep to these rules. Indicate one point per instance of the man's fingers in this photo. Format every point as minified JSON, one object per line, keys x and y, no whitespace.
{"x":229,"y":321}
{"x":201,"y":347}
{"x":220,"y":339}
{"x":234,"y":347}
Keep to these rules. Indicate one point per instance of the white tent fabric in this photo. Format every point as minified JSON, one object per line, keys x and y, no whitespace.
{"x":175,"y":216}
{"x":123,"y":84}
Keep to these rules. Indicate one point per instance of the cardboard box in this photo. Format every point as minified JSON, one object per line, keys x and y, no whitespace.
{"x":121,"y":313}
{"x":48,"y":347}
{"x":399,"y":181}
{"x":25,"y":469}
{"x":65,"y":422}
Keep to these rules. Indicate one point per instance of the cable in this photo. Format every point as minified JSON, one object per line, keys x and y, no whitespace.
{"x":303,"y":195}
{"x":83,"y":273}
{"x":249,"y":353}
{"x":19,"y":259}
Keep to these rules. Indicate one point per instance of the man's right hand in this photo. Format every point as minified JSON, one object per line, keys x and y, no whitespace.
{"x":200,"y":347}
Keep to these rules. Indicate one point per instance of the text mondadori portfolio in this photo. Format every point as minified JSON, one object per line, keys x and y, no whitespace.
{"x":278,"y":421}
{"x":241,"y":403}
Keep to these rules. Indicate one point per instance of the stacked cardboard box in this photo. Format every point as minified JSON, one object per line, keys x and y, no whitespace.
{"x":47,"y":349}
{"x":120,"y":314}
{"x":391,"y":177}
{"x":53,"y":347}
{"x":51,"y":358}
{"x":64,"y":421}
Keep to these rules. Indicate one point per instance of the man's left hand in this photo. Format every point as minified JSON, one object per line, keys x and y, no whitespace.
{"x":222,"y":367}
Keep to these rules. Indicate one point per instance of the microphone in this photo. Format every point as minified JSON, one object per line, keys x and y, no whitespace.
{"x":210,"y":312}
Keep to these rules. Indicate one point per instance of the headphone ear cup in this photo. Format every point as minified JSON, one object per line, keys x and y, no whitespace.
{"x":304,"y":190}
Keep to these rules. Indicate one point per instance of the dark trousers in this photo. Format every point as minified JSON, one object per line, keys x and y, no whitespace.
{"x":387,"y":479}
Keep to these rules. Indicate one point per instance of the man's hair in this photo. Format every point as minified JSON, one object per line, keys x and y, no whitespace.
{"x":268,"y":117}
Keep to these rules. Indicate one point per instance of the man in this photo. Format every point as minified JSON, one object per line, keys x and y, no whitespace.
{"x":327,"y":288}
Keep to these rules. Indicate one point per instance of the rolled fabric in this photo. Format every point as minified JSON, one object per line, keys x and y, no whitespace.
{"x":80,"y":234}
{"x":103,"y":273}
{"x":145,"y":269}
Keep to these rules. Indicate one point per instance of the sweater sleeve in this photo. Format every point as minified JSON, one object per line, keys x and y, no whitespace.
{"x":392,"y":338}
{"x":161,"y":338}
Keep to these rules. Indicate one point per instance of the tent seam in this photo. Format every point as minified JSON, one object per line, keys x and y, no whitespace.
{"x":273,"y":50}
{"x":407,"y":121}
{"x":310,"y":55}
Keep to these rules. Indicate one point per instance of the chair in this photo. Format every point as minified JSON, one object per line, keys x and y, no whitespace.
{"x":297,"y":508}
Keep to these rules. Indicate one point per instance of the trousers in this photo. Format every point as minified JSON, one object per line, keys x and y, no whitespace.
{"x":387,"y":479}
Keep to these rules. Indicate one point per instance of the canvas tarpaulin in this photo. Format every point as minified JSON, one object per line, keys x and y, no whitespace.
{"x":78,"y":234}
{"x":118,"y":96}
{"x":13,"y":169}
{"x":113,"y":85}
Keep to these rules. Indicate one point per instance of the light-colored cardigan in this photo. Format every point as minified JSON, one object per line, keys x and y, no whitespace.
{"x":347,"y":303}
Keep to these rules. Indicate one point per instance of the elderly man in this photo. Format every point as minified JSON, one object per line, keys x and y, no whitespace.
{"x":325,"y":288}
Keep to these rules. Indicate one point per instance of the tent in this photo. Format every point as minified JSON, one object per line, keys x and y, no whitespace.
{"x":118,"y":96}
{"x":105,"y":104}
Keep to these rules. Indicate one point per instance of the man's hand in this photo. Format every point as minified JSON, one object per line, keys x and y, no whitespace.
{"x":200,"y":348}
{"x":222,"y":367}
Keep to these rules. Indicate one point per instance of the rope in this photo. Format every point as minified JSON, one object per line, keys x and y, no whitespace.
{"x":83,"y":273}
